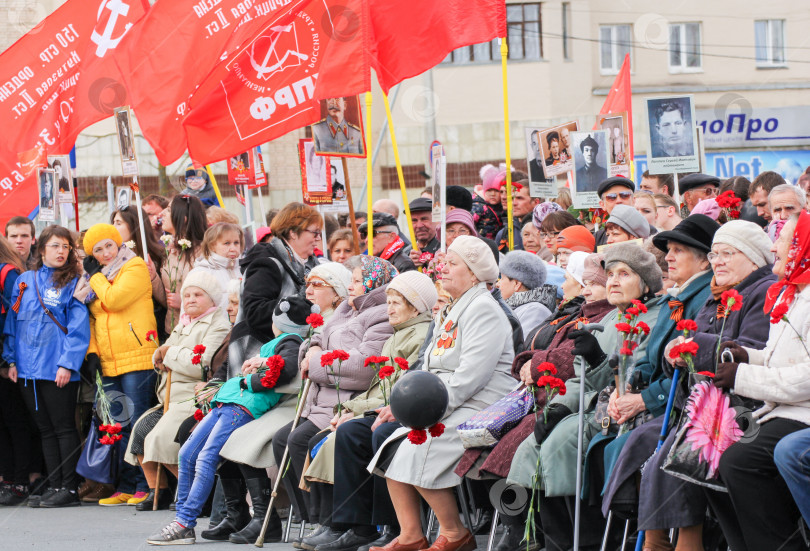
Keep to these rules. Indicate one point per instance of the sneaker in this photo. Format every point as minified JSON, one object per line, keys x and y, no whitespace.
{"x":61,"y":498}
{"x":14,"y":494}
{"x":173,"y":534}
{"x":138,"y":497}
{"x":118,"y":498}
{"x":35,"y":500}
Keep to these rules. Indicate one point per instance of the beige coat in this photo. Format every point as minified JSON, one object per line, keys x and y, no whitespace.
{"x":209,"y":331}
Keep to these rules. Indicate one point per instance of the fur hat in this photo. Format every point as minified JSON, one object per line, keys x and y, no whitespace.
{"x":290,"y":314}
{"x":477,"y":256}
{"x":748,"y":238}
{"x":338,"y":276}
{"x":630,"y":220}
{"x":417,"y":288}
{"x":100,"y":232}
{"x":640,"y":261}
{"x":459,"y":197}
{"x":205,"y":281}
{"x":526,"y":267}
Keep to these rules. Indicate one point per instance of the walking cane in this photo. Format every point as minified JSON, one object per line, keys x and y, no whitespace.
{"x":165,"y":409}
{"x":298,"y":411}
{"x":581,"y":434}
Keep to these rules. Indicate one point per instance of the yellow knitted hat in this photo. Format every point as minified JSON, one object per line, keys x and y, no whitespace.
{"x":100,"y":232}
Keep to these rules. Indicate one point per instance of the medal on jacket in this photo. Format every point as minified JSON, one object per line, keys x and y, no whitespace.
{"x":447,"y":339}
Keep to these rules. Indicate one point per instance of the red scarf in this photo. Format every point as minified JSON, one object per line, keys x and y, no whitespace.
{"x":797,"y":267}
{"x":392,"y":248}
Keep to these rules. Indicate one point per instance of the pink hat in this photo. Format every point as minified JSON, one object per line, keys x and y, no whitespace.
{"x":261,"y":233}
{"x":709,"y":207}
{"x":488,"y":175}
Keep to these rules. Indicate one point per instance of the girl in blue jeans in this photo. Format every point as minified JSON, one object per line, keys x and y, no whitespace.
{"x":238,"y":401}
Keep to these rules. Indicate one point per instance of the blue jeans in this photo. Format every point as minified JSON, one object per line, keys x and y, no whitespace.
{"x":199,"y":457}
{"x":792,"y":458}
{"x":130,"y":394}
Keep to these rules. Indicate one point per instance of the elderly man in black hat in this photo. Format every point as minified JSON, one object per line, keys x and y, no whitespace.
{"x":591,"y":174}
{"x":387,"y":243}
{"x":696,"y":187}
{"x":425,"y":231}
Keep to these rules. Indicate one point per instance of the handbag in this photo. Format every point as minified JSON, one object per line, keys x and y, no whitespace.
{"x":99,"y":462}
{"x":488,"y":426}
{"x":606,"y":423}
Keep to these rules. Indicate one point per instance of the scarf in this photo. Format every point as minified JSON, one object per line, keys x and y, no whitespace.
{"x":524,"y":297}
{"x":376,"y":272}
{"x":393,"y":248}
{"x":111,"y":270}
{"x":185,"y":320}
{"x":797,"y":268}
{"x":717,"y":294}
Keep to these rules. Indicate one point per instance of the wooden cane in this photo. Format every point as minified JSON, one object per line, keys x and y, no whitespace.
{"x":165,"y":409}
{"x":299,"y":410}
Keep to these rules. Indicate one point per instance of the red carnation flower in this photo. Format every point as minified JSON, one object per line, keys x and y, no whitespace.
{"x":779,"y":312}
{"x":327,"y":358}
{"x":640,"y":305}
{"x":342,"y":355}
{"x":731,"y":300}
{"x":314,"y":320}
{"x":152,"y":336}
{"x":196,"y":360}
{"x":386,"y":371}
{"x":632,"y":345}
{"x":417,"y":436}
{"x":547,"y":367}
{"x":624,"y":351}
{"x":103,"y":428}
{"x":623,"y":327}
{"x":642,"y":327}
{"x":117,"y":437}
{"x":270,"y":378}
{"x":275,"y":363}
{"x":436,"y":430}
{"x":402,"y":363}
{"x":632,"y":311}
{"x":199,"y":349}
{"x":545,"y":380}
{"x":706,"y":373}
{"x":114,"y":429}
{"x":733,"y":214}
{"x":686,"y":325}
{"x":106,"y":440}
{"x":198,"y":415}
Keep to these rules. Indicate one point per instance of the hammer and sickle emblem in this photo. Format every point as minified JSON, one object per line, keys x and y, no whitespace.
{"x":106,"y":41}
{"x":264,"y":71}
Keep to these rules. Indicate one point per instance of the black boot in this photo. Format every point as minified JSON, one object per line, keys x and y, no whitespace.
{"x":259,"y":490}
{"x":164,"y":499}
{"x":237,"y":515}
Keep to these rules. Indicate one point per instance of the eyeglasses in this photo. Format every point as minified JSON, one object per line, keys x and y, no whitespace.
{"x":57,"y":247}
{"x":316,"y":233}
{"x":549,"y":235}
{"x":364,"y":233}
{"x":455,"y":233}
{"x":318,"y":284}
{"x":623,"y":194}
{"x":725,"y":256}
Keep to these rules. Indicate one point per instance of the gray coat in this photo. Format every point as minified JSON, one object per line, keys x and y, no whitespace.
{"x":476,"y":372}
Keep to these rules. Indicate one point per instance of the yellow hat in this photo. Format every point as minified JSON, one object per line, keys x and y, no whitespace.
{"x":100,"y":232}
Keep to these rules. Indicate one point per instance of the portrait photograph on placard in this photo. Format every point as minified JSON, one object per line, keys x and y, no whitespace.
{"x":315,"y":174}
{"x":555,"y":148}
{"x":240,"y":170}
{"x":618,"y":146}
{"x":123,"y":197}
{"x":126,"y":141}
{"x":47,"y":194}
{"x":671,"y":133}
{"x":62,"y":177}
{"x":439,"y":183}
{"x":340,"y":201}
{"x":591,"y":162}
{"x":339,"y":133}
{"x":539,"y":184}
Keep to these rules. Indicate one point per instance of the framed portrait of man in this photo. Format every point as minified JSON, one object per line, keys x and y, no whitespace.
{"x":618,"y":142}
{"x":539,"y":185}
{"x":591,"y":162}
{"x":340,"y":201}
{"x":63,"y":178}
{"x":126,"y":141}
{"x":671,"y":133}
{"x":123,"y":197}
{"x":47,"y":194}
{"x":339,"y":133}
{"x":315,"y":174}
{"x":555,"y":148}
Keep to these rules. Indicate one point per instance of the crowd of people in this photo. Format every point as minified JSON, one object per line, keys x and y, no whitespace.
{"x":189,"y":357}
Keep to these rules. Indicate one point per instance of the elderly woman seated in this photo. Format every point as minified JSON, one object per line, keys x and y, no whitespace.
{"x":523,"y":275}
{"x":550,"y":454}
{"x":471,"y":352}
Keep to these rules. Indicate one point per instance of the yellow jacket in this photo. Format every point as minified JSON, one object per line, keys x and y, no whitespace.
{"x":120,"y":318}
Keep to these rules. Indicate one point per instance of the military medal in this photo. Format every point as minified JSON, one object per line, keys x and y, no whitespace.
{"x":447,"y":339}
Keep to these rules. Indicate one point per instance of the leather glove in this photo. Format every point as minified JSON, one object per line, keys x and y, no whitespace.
{"x":586,"y":345}
{"x":726,"y":374}
{"x":739,"y":353}
{"x":91,"y":265}
{"x":556,"y":413}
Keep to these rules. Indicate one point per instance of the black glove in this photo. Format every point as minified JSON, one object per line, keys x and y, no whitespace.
{"x":586,"y":345}
{"x":556,"y":413}
{"x":89,"y":368}
{"x":91,"y":265}
{"x":739,"y":353}
{"x":726,"y":374}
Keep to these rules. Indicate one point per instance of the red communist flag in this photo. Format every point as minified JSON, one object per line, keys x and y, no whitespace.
{"x":173,"y":49}
{"x":266,"y":90}
{"x":403,"y":39}
{"x":39,"y":88}
{"x":620,"y":98}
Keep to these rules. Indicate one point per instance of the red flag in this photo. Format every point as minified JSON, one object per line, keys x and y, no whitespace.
{"x":33,"y":159}
{"x":172,"y":50}
{"x":39,"y":83}
{"x":263,"y":92}
{"x":404,"y":39}
{"x":620,"y":98}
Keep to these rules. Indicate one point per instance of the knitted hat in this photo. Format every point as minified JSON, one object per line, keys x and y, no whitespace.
{"x":630,"y":220}
{"x":576,"y":238}
{"x":199,"y":172}
{"x":477,"y":256}
{"x":100,"y":232}
{"x":526,"y":267}
{"x":290,"y":314}
{"x":336,"y":275}
{"x":488,"y":174}
{"x":709,"y":207}
{"x":748,"y":238}
{"x":542,"y":210}
{"x":417,"y":288}
{"x":205,"y":281}
{"x":459,"y":216}
{"x":576,"y":266}
{"x":639,"y":260}
{"x":459,"y":197}
{"x":593,"y":272}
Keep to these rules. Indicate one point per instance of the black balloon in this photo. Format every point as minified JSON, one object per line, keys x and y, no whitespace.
{"x":419,"y":399}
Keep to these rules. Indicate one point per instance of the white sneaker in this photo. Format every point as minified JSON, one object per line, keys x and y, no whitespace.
{"x":173,"y":534}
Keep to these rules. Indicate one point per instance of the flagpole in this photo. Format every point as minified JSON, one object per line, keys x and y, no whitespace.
{"x":400,"y":175}
{"x":216,"y":187}
{"x":369,"y":174}
{"x":511,"y":222}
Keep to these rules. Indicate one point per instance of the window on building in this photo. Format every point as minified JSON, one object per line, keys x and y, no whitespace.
{"x":524,"y":26}
{"x":684,"y":48}
{"x":566,"y":31}
{"x":769,"y":37}
{"x":614,"y":44}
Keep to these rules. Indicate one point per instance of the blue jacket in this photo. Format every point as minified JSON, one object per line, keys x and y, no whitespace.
{"x":8,"y":290}
{"x":32,"y":339}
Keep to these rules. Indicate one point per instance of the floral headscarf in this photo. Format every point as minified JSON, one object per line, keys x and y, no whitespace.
{"x":376,"y":272}
{"x":797,"y":269}
{"x":542,"y":210}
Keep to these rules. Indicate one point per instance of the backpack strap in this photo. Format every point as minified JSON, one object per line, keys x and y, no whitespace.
{"x":47,"y":311}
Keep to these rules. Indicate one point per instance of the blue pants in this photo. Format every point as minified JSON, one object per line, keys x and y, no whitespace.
{"x":130,"y":394}
{"x":199,"y":457}
{"x":792,"y":457}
